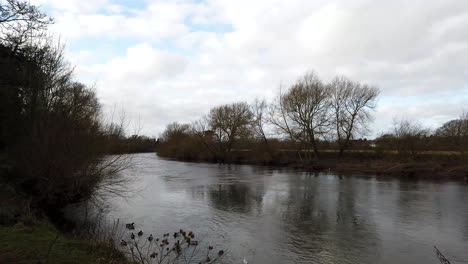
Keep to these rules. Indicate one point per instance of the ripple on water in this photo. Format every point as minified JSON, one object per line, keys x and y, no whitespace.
{"x":284,"y":216}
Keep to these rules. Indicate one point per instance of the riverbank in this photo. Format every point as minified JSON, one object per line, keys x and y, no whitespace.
{"x":431,"y":165}
{"x":402,"y":169}
{"x":26,"y":237}
{"x":41,"y":242}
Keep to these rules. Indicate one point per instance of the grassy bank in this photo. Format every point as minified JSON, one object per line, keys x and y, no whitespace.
{"x":26,"y":237}
{"x":43,"y":243}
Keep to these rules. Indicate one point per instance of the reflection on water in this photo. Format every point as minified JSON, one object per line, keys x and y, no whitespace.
{"x":282,"y":216}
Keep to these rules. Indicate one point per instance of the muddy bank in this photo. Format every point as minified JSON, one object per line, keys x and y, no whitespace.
{"x":409,"y":169}
{"x":428,"y":166}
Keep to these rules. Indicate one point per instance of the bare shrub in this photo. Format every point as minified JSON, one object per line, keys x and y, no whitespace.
{"x":178,"y":247}
{"x":409,"y":138}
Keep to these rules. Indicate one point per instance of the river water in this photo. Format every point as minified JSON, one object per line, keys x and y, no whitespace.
{"x":268,"y":215}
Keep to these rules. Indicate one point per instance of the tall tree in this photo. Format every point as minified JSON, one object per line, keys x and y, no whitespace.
{"x":228,"y":123}
{"x":54,"y":134}
{"x":259,"y":109}
{"x":302,"y":112}
{"x":351,"y":104}
{"x":21,"y":22}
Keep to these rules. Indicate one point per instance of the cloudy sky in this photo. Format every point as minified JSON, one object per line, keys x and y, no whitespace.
{"x":167,"y":60}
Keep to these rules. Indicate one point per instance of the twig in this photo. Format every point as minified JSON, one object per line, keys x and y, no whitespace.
{"x":441,"y":256}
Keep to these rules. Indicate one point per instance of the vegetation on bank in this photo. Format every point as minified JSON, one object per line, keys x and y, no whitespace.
{"x":54,"y":141}
{"x":169,"y":248}
{"x":54,"y":144}
{"x":43,"y":243}
{"x":316,"y":125}
{"x":29,"y":237}
{"x":55,"y":148}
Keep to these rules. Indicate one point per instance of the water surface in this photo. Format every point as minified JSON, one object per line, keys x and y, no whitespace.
{"x":267,"y":215}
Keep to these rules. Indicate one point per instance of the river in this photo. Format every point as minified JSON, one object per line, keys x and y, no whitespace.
{"x":271,"y":215}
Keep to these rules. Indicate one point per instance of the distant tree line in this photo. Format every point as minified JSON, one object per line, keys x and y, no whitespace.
{"x":307,"y":120}
{"x":409,"y":139}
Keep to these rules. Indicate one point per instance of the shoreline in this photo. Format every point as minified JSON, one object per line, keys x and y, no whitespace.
{"x":429,"y":169}
{"x":28,"y":236}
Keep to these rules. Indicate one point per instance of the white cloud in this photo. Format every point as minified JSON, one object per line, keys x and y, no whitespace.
{"x":412,"y":50}
{"x":75,"y":6}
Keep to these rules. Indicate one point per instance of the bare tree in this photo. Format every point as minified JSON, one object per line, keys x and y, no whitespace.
{"x":56,"y":137}
{"x":20,"y":22}
{"x":259,"y":109}
{"x":175,"y":130}
{"x":302,"y":113}
{"x":455,"y":132}
{"x":409,"y":137}
{"x":279,"y":119}
{"x":228,"y":123}
{"x":351,"y":103}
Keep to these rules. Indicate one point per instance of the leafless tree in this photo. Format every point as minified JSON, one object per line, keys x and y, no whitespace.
{"x":228,"y":123}
{"x":351,"y":103}
{"x":202,"y":138}
{"x":302,"y":112}
{"x":409,"y":137}
{"x":259,"y":110}
{"x":21,"y":22}
{"x":175,"y":130}
{"x":455,"y":132}
{"x":57,"y":139}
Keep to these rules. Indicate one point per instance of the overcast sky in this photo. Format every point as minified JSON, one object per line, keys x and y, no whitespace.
{"x":164,"y":61}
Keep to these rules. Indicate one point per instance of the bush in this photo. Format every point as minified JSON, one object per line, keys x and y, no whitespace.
{"x":177,"y":247}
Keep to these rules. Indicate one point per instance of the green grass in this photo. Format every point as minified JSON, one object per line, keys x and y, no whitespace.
{"x":25,"y":239}
{"x":31,"y":244}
